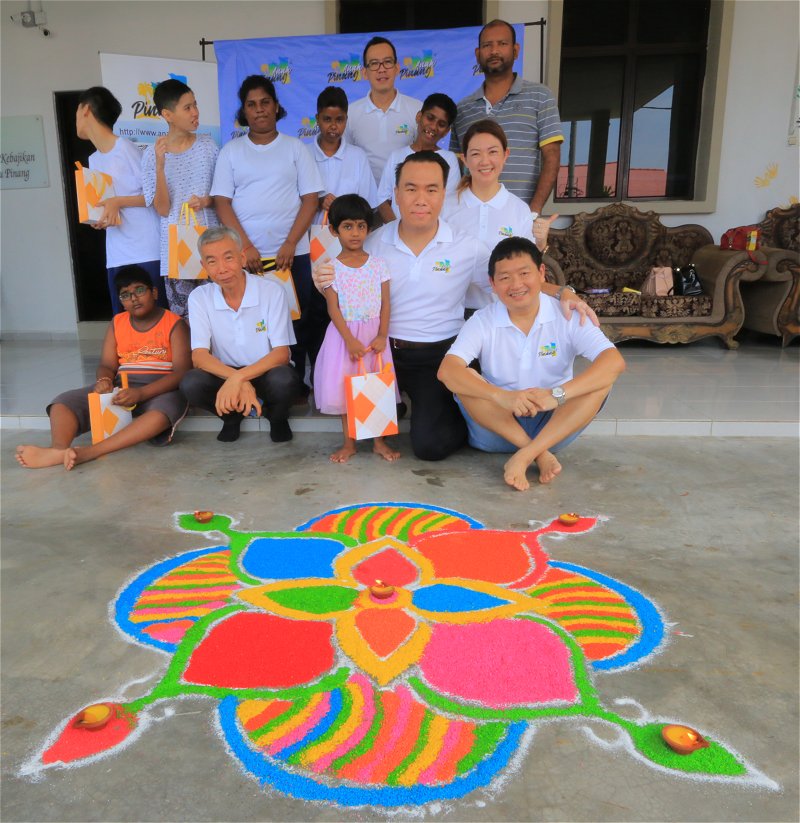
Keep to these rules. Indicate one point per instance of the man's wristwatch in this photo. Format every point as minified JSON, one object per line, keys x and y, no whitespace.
{"x":559,"y":395}
{"x":560,"y":292}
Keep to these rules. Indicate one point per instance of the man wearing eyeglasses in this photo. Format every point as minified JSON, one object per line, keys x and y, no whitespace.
{"x":384,"y":120}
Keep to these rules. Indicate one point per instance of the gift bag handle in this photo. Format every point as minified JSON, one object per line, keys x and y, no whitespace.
{"x":379,"y":363}
{"x":188,"y":215}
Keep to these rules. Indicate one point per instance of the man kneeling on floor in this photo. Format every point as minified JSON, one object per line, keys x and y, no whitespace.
{"x":527,"y":401}
{"x":241,"y":331}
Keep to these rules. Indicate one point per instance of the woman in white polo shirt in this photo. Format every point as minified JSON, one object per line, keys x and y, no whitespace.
{"x":266,"y":187}
{"x":485,"y":208}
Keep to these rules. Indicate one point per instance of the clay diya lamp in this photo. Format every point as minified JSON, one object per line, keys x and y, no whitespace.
{"x":683,"y":740}
{"x":381,"y":591}
{"x":203,"y":517}
{"x":95,"y":716}
{"x":569,"y":518}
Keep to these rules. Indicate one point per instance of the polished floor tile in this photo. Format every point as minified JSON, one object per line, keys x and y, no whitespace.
{"x":700,"y":389}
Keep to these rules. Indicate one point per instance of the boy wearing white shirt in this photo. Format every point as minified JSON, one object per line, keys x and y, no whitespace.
{"x":384,"y":119}
{"x":526,"y":400}
{"x":433,"y":123}
{"x":132,"y":229}
{"x":344,"y":169}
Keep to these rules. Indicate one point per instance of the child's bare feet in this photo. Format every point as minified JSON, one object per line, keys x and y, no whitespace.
{"x":381,"y":448}
{"x":73,"y":457}
{"x":549,"y":467}
{"x":37,"y":457}
{"x":345,"y":453}
{"x":514,"y":472}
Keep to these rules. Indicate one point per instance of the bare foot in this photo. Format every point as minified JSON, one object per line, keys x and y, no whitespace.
{"x":72,"y":457}
{"x":36,"y":457}
{"x":514,"y":472}
{"x":381,"y":447}
{"x":549,"y":467}
{"x":344,"y":454}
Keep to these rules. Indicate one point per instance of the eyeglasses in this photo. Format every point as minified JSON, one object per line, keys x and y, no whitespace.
{"x":386,"y":63}
{"x":125,"y":296}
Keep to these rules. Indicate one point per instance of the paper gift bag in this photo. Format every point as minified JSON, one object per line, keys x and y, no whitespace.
{"x":324,"y":245}
{"x":371,"y":402}
{"x":92,"y":187}
{"x":106,"y":418}
{"x":284,"y":279}
{"x":184,"y":262}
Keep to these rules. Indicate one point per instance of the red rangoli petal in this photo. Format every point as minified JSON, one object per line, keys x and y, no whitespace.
{"x":77,"y":742}
{"x":389,"y":566}
{"x":481,"y":554}
{"x":384,"y":629}
{"x":253,"y":650}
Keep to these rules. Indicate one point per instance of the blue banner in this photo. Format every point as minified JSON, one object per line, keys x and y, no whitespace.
{"x":433,"y":60}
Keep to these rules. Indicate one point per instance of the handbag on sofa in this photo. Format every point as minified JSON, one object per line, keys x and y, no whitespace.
{"x":686,"y":283}
{"x":659,"y":282}
{"x":743,"y":238}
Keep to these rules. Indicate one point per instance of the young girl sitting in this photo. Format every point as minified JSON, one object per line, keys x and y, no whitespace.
{"x":486,"y":209}
{"x":358,"y":305}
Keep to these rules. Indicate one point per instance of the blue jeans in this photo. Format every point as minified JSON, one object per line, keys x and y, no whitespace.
{"x":489,"y":441}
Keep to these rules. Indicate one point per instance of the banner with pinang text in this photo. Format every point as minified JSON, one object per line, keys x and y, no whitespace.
{"x":132,"y":79}
{"x":433,"y":60}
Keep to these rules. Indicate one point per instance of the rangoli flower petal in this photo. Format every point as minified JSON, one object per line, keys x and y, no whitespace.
{"x":516,"y":556}
{"x":289,"y":558}
{"x":375,"y":646}
{"x":309,"y":599}
{"x":495,"y":664}
{"x":388,"y":565}
{"x":360,"y":745}
{"x":251,"y":650}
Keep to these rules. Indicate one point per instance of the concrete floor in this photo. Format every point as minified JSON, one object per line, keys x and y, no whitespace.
{"x":708,"y":528}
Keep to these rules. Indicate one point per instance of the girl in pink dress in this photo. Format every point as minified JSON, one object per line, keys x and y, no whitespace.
{"x":358,"y":305}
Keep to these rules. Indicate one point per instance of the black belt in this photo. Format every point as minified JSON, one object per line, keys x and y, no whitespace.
{"x":413,"y":344}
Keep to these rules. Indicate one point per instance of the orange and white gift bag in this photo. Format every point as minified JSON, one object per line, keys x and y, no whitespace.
{"x":92,"y":187}
{"x":324,"y":245}
{"x":184,"y":261}
{"x":283,"y":277}
{"x":371,"y":402}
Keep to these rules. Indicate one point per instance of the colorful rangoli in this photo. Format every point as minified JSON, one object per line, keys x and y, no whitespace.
{"x":384,"y":654}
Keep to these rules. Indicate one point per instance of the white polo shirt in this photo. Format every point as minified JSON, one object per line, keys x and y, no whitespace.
{"x":379,"y":132}
{"x":265,"y":184}
{"x":345,"y":172}
{"x":505,"y":215}
{"x":428,"y":290}
{"x":386,"y":186}
{"x":240,"y":338}
{"x":541,"y":359}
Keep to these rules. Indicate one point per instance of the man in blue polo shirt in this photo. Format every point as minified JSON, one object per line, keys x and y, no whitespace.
{"x":526,"y":400}
{"x":526,"y":111}
{"x":241,"y":333}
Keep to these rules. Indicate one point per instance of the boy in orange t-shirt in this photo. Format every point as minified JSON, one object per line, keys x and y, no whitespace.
{"x":151,"y":345}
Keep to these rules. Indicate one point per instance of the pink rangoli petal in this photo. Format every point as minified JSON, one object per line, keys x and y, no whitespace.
{"x":499,"y":664}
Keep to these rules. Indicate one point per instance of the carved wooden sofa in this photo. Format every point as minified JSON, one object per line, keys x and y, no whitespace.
{"x":616,"y":246}
{"x":772,"y":304}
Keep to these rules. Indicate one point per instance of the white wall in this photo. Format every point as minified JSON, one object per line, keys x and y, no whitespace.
{"x":37,"y":288}
{"x":761,"y":86}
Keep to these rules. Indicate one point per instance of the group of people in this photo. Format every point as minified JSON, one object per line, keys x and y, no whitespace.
{"x":501,"y":381}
